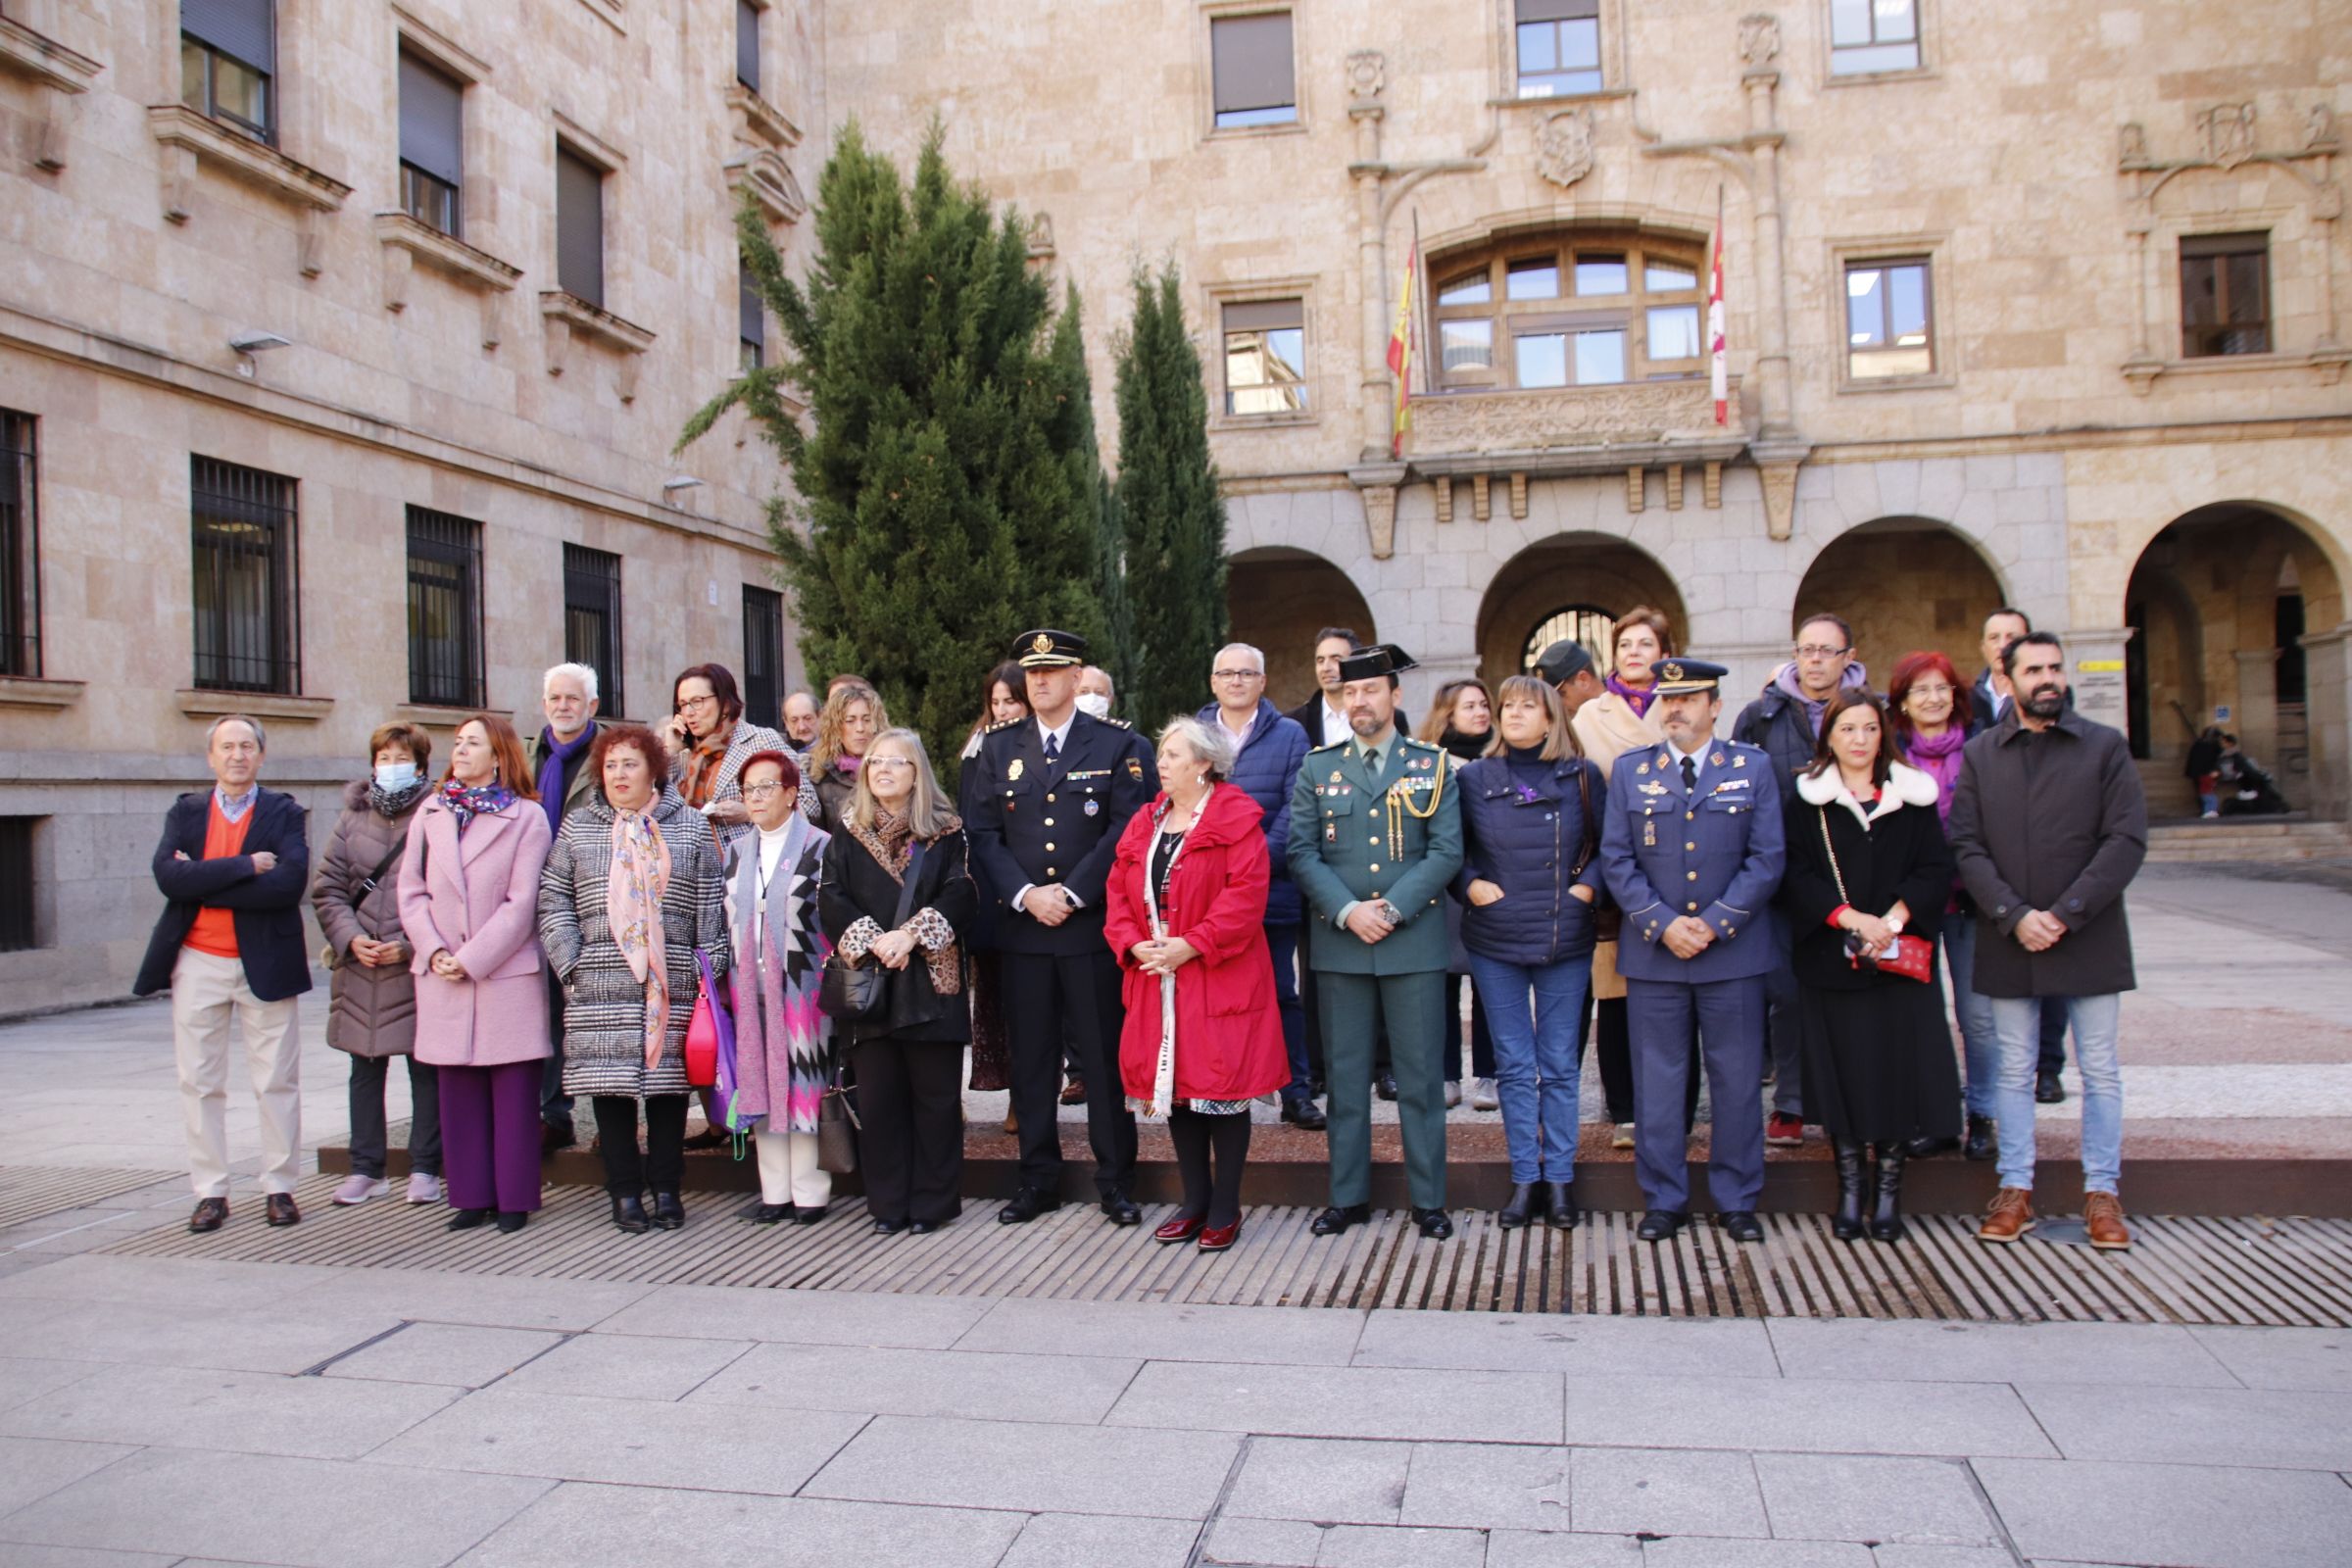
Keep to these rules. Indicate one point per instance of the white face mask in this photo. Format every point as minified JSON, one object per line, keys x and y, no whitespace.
{"x":393,"y":777}
{"x":1094,"y":705}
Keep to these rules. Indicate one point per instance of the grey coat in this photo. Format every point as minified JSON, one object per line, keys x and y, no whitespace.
{"x":370,"y":1012}
{"x":747,"y":742}
{"x":603,"y":1004}
{"x":2052,"y":821}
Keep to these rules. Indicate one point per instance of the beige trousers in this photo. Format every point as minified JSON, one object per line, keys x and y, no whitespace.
{"x":788,"y":1172}
{"x":207,"y":994}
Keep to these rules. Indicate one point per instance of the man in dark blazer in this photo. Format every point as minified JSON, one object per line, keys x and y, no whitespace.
{"x":232,"y":867}
{"x":1054,"y":792}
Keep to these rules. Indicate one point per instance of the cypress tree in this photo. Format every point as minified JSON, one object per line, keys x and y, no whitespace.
{"x":945,"y":491}
{"x":1170,"y":511}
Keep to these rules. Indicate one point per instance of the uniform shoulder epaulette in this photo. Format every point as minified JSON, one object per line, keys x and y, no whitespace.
{"x":1002,"y":723}
{"x":1115,"y":724}
{"x":1427,"y":746}
{"x":1327,"y":746}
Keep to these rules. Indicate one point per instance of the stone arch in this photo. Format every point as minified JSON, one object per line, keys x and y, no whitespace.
{"x":1906,"y":584}
{"x":1277,"y":595}
{"x":1569,"y":571}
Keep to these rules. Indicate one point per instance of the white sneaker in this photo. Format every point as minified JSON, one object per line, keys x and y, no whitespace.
{"x":1622,"y":1138}
{"x":1454,"y":1095}
{"x":358,"y":1188}
{"x":423,"y":1189}
{"x":1483,"y":1095}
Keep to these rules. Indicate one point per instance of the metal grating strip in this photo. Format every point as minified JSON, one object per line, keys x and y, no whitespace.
{"x":29,"y":1191}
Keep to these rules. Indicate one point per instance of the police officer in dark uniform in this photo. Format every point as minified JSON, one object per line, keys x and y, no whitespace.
{"x":1692,"y":852}
{"x":1054,"y":791}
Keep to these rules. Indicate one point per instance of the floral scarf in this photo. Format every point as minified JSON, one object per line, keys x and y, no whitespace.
{"x":1636,"y":699}
{"x":633,"y":893}
{"x":702,"y":766}
{"x":481,"y":800}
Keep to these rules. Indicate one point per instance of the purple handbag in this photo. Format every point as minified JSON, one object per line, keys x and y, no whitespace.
{"x":726,"y":1090}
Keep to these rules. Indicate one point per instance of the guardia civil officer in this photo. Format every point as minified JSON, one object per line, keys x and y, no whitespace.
{"x":1376,"y":836}
{"x":1052,"y":792}
{"x":1692,"y":853}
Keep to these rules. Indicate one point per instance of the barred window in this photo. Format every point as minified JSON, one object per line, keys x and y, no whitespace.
{"x":247,"y":608}
{"x":763,"y":656}
{"x":592,"y":620}
{"x":20,"y":547}
{"x":445,"y":609}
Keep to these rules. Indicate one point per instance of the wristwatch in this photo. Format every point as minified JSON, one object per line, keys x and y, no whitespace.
{"x":1894,"y":923}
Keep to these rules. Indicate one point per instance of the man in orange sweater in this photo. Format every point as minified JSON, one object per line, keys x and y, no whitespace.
{"x":232,"y":865}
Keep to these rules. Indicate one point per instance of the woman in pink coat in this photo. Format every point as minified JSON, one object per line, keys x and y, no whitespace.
{"x":469,"y":903}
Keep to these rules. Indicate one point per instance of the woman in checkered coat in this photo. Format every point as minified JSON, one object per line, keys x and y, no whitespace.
{"x":632,"y":887}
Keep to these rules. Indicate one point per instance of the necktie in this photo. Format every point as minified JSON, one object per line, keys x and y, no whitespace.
{"x":1372,"y":764}
{"x":1052,"y":747}
{"x":1689,"y":774}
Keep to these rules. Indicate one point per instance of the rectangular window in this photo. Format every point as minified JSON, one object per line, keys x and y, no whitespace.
{"x":432,"y":141}
{"x":1594,"y":357}
{"x":1674,"y":332}
{"x":228,"y":63}
{"x":2225,"y":294}
{"x":753,"y":326}
{"x":1467,"y":345}
{"x":1887,"y":318}
{"x":15,"y":884}
{"x":248,"y":633}
{"x":1872,"y":35}
{"x":1601,"y":273}
{"x":445,"y":609}
{"x":1265,"y":357}
{"x":579,"y":227}
{"x":763,"y":656}
{"x":20,"y":547}
{"x":1560,"y":48}
{"x":1250,"y":60}
{"x":747,"y":44}
{"x":592,"y":620}
{"x":1534,"y":278}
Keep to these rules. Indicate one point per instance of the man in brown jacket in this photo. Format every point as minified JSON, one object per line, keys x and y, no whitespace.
{"x":2050,"y":825}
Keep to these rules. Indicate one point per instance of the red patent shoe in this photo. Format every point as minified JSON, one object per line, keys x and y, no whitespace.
{"x":1177,"y":1230}
{"x":1217,"y":1238}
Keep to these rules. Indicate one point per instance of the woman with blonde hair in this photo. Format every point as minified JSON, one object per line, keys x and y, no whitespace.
{"x":853,"y":716}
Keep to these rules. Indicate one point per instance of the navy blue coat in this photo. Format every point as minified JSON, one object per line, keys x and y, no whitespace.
{"x":1265,"y":771}
{"x":267,"y":907}
{"x":1035,"y":823}
{"x":1718,"y":857}
{"x":1528,"y":846}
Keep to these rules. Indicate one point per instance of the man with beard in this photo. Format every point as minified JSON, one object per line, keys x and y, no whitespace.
{"x":2050,"y":825}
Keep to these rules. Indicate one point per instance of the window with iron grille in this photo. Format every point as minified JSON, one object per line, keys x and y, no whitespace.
{"x":763,"y":656}
{"x":445,"y":609}
{"x":592,"y":620}
{"x":228,"y":63}
{"x":17,"y":931}
{"x":747,"y":44}
{"x":20,"y":547}
{"x":2225,"y":294}
{"x":433,"y":144}
{"x":248,"y":630}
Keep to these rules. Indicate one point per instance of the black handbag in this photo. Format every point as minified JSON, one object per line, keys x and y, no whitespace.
{"x":847,"y":993}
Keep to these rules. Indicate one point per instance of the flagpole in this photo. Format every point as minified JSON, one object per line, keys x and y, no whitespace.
{"x":1421,"y":323}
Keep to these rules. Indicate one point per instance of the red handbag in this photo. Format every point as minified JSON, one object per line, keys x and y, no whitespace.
{"x":701,"y":1039}
{"x":1912,"y":957}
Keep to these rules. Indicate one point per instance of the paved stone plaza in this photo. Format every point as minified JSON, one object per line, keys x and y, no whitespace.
{"x":158,"y":1410}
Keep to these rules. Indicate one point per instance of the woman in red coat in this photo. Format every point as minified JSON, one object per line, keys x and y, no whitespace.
{"x":1186,"y":919}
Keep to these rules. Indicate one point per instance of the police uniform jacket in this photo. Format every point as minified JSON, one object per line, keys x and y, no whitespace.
{"x":1034,"y":823}
{"x":1346,"y":845}
{"x":1717,"y":855}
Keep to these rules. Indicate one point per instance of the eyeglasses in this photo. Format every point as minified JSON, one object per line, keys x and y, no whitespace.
{"x":1817,"y":650}
{"x":760,"y":792}
{"x":1238,"y":675}
{"x":890,"y":761}
{"x":704,"y":700}
{"x":1929,"y":692}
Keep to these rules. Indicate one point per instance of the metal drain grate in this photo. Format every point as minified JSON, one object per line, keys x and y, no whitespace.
{"x":2180,"y":1270}
{"x":28,"y":1192}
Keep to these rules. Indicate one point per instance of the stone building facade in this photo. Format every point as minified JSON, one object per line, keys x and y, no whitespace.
{"x":497,"y":242}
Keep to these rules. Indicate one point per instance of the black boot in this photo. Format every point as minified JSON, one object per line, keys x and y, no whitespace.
{"x":628,"y":1212}
{"x":1887,"y":1218}
{"x":1559,"y":1209}
{"x":1853,"y":1192}
{"x":668,"y":1215}
{"x":1980,"y":1143}
{"x":1522,"y":1207}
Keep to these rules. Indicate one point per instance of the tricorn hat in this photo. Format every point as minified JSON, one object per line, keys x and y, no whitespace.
{"x":1375,"y":660}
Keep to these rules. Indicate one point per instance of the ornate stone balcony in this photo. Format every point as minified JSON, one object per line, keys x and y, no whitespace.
{"x":1567,"y":430}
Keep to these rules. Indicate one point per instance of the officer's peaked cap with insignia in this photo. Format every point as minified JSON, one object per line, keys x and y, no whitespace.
{"x":1374,"y":660}
{"x":1046,"y":648}
{"x":1678,"y":675}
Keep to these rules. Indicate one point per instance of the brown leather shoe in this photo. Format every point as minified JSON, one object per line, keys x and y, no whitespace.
{"x":2103,"y":1219}
{"x":282,"y":1210}
{"x":1073,"y":1092}
{"x":2011,"y":1215}
{"x":211,"y":1213}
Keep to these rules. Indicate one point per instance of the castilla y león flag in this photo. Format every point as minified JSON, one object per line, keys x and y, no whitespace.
{"x":1718,"y":372}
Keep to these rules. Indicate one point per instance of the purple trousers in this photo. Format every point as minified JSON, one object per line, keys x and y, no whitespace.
{"x":490,"y":1136}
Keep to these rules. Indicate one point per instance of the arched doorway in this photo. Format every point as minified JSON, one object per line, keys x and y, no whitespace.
{"x":1572,"y":584}
{"x":2219,"y":602}
{"x":1278,"y":598}
{"x":1905,"y":585}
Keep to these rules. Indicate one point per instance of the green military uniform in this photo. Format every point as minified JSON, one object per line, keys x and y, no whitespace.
{"x":1392,"y":834}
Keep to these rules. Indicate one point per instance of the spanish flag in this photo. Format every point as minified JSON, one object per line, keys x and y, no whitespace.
{"x":1400,"y":350}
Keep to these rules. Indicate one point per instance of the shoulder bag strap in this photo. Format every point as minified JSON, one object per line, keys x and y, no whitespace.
{"x":1836,"y":875}
{"x":914,"y":864}
{"x":369,"y":882}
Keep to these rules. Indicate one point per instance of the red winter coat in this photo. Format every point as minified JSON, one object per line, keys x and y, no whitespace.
{"x":1229,"y":1042}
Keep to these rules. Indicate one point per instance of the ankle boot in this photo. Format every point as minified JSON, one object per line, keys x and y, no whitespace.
{"x":1852,"y":1192}
{"x":1521,"y":1209}
{"x":668,"y":1215}
{"x":628,"y":1212}
{"x":1887,"y":1218}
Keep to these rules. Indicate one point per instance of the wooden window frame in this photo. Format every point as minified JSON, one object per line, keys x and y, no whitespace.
{"x":1211,"y":12}
{"x":1214,"y":298}
{"x":1567,"y":311}
{"x":1928,"y":298}
{"x":2216,"y":248}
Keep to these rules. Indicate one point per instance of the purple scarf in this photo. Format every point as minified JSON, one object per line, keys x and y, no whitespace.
{"x":1939,"y":756}
{"x":1638,"y":700}
{"x":556,"y":757}
{"x":1785,"y":679}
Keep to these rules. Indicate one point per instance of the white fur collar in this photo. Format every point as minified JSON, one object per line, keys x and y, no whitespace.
{"x":1905,"y":786}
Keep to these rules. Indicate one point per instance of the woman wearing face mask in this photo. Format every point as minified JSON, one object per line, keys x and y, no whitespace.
{"x":372,"y":1009}
{"x":1461,"y":719}
{"x":1867,"y":863}
{"x":853,"y":716}
{"x":1007,"y":702}
{"x":470,"y":904}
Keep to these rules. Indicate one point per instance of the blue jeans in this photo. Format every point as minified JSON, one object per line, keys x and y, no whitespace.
{"x":2018,"y":1021}
{"x":1282,"y":944}
{"x":1535,"y":1073}
{"x":1980,"y":1046}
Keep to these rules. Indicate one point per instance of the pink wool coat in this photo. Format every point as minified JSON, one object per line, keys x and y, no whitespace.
{"x":479,"y":898}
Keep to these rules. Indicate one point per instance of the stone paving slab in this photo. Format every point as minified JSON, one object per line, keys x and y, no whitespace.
{"x":492,"y":1301}
{"x":1030,"y":1466}
{"x":2157,"y":1355}
{"x":884,"y":1381}
{"x":1322,"y":1480}
{"x":1176,"y":1333}
{"x":1666,"y":1493}
{"x":1487,"y":1487}
{"x":2282,"y":1357}
{"x":239,"y":1413}
{"x":626,"y":1366}
{"x":2181,"y":1516}
{"x":1082,"y":1540}
{"x":1520,"y":1548}
{"x":458,"y":1356}
{"x":1803,"y":1418}
{"x":1564,"y":1343}
{"x":23,"y":1378}
{"x":31,"y":1468}
{"x":798,"y":1317}
{"x":20,"y":1555}
{"x":1348,"y":1402}
{"x":1874,"y":1499}
{"x":2240,"y":1427}
{"x":585,"y":1526}
{"x":188,"y":1282}
{"x":234,"y":1339}
{"x":1696,"y":1551}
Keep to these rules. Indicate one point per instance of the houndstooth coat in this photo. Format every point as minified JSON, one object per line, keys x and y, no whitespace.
{"x":603,"y":1004}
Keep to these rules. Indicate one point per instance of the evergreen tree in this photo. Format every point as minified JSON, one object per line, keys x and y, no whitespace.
{"x":1170,"y":511}
{"x":946,"y":489}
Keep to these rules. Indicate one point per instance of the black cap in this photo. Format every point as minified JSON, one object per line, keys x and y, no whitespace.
{"x":1562,"y":662}
{"x":1678,"y":675}
{"x":1046,"y":648}
{"x":1374,"y":661}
